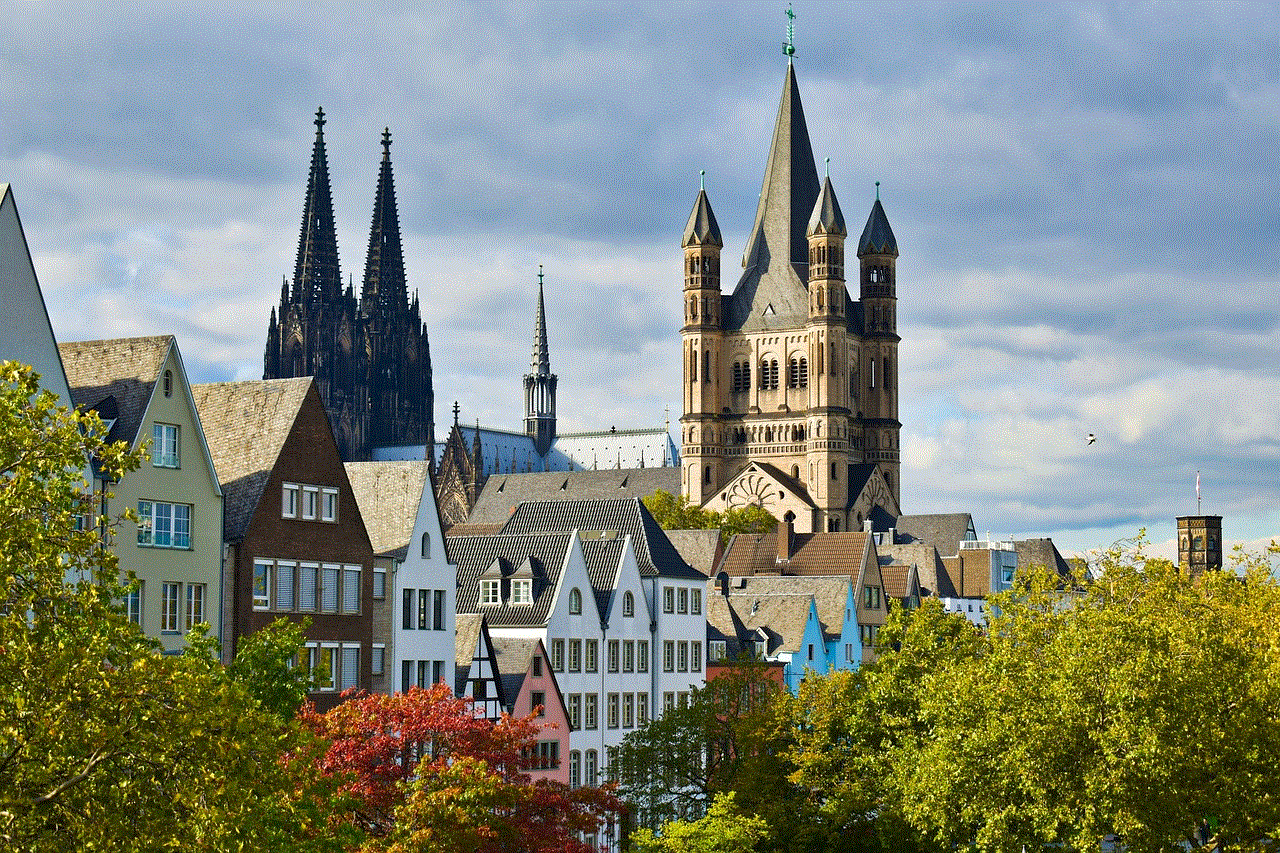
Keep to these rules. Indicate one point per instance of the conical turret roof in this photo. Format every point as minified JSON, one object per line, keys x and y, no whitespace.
{"x":540,"y":362}
{"x":702,"y":230}
{"x":316,"y":274}
{"x":827,"y":218}
{"x":384,"y":280}
{"x":877,"y":238}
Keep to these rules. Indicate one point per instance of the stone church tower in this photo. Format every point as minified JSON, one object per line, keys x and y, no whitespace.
{"x":371,"y":358}
{"x":790,"y":387}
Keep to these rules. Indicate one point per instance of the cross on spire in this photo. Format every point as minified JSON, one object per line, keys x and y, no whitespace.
{"x":456,"y":409}
{"x":790,"y":47}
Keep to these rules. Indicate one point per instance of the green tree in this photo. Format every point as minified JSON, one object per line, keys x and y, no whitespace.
{"x":675,"y":512}
{"x":104,"y":743}
{"x":721,"y":830}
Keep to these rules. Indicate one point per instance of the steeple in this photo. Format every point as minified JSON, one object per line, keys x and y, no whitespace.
{"x":877,"y":237}
{"x":316,"y":276}
{"x":540,"y":385}
{"x":702,"y":229}
{"x":384,"y":280}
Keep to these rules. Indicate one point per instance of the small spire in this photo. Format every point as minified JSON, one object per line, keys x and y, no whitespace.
{"x":826,"y":168}
{"x":386,"y":143}
{"x":877,"y":190}
{"x":456,"y":409}
{"x":790,"y":47}
{"x":319,"y":119}
{"x":702,"y":183}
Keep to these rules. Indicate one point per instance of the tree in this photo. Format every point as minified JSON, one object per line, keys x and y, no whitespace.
{"x":425,"y":772}
{"x":105,"y":743}
{"x":721,"y":830}
{"x":675,"y":512}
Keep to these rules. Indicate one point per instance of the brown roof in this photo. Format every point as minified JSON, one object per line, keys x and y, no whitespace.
{"x":123,"y":369}
{"x":944,"y":531}
{"x":700,"y":548}
{"x":897,"y":578}
{"x":388,"y":494}
{"x":934,"y":578}
{"x":810,"y":554}
{"x":246,"y":424}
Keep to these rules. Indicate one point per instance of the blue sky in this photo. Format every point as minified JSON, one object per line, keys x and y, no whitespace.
{"x":1085,"y":198}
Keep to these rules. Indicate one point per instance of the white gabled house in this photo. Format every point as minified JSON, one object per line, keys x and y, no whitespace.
{"x":425,"y":597}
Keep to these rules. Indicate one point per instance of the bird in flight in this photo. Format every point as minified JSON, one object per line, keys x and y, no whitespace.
{"x":1091,"y":438}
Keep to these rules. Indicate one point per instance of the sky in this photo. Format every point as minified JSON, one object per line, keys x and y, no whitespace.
{"x":1086,"y":200}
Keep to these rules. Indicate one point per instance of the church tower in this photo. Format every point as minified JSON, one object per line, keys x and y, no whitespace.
{"x":540,"y":385}
{"x":877,"y":259}
{"x":701,"y":337}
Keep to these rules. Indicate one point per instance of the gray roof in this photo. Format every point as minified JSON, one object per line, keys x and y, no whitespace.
{"x":877,"y":237}
{"x":388,"y":494}
{"x":116,"y":378}
{"x":466,"y":636}
{"x":827,"y":218}
{"x":934,"y":578}
{"x":603,"y":558}
{"x":545,"y":552}
{"x":502,"y":493}
{"x":626,"y":517}
{"x":1042,"y":552}
{"x":944,"y":531}
{"x":699,"y":548}
{"x":246,"y":425}
{"x":702,"y":229}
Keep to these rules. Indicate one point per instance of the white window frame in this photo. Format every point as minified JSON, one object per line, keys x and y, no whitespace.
{"x":133,"y":602}
{"x":170,"y":607}
{"x":642,"y":656}
{"x":614,"y":713}
{"x":378,"y":660}
{"x":642,"y":708}
{"x":164,"y":525}
{"x":614,"y":656}
{"x":695,"y":656}
{"x":197,"y":595}
{"x":262,"y":600}
{"x":351,"y":591}
{"x":349,"y":679}
{"x":522,"y":591}
{"x":309,"y":580}
{"x":591,"y":711}
{"x":668,"y":655}
{"x":682,"y":600}
{"x":310,"y":509}
{"x":330,"y":591}
{"x":575,"y":655}
{"x":717,"y":650}
{"x":490,"y":592}
{"x":329,"y":505}
{"x":289,"y":500}
{"x":591,"y":656}
{"x":668,"y":599}
{"x":557,"y":655}
{"x":164,"y":445}
{"x":695,"y":602}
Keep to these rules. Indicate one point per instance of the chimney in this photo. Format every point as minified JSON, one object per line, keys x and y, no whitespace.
{"x":784,"y":541}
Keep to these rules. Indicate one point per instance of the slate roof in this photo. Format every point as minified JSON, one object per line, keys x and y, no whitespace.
{"x":944,"y":531}
{"x":702,"y":228}
{"x":826,"y":217}
{"x":827,"y":553}
{"x":1042,"y":552}
{"x":466,"y":636}
{"x":655,"y":554}
{"x":830,"y":594}
{"x":502,"y":493}
{"x":935,"y":579}
{"x":510,"y":452}
{"x":116,"y":377}
{"x":604,"y":559}
{"x":877,"y":237}
{"x":699,"y":548}
{"x":245,"y":425}
{"x":388,"y":494}
{"x":474,"y":554}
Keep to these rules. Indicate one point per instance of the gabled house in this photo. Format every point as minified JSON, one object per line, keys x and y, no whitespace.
{"x":296,"y":544}
{"x":529,"y":685}
{"x":138,"y":386}
{"x":387,"y":494}
{"x":476,"y":667}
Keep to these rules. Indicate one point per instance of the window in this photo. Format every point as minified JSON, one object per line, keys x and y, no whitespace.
{"x":437,"y":671}
{"x":423,"y":597}
{"x":548,"y":755}
{"x":575,"y":602}
{"x":613,"y":710}
{"x":716,"y":650}
{"x":682,"y":656}
{"x":642,"y":708}
{"x":590,"y":711}
{"x":848,"y":652}
{"x":325,"y":665}
{"x":590,"y":772}
{"x":871,"y":597}
{"x":310,"y":502}
{"x":350,"y":589}
{"x":538,"y":702}
{"x":490,"y":592}
{"x":133,"y":603}
{"x":695,"y":656}
{"x":437,"y":609}
{"x":350,"y":667}
{"x":284,"y":585}
{"x":261,"y":585}
{"x":307,"y":589}
{"x":406,"y":610}
{"x":628,"y":604}
{"x":575,"y":711}
{"x":195,"y":604}
{"x":329,"y":505}
{"x":695,"y":602}
{"x":575,"y":656}
{"x":289,"y":501}
{"x":168,"y":383}
{"x":629,"y":656}
{"x":164,"y":525}
{"x":628,"y":710}
{"x":668,"y":600}
{"x":170,"y":601}
{"x":164,"y":446}
{"x":613,"y":655}
{"x":329,"y":588}
{"x":378,"y":660}
{"x":575,"y":768}
{"x":426,"y":546}
{"x":668,"y":656}
{"x":868,"y":634}
{"x":379,"y":584}
{"x":592,"y":663}
{"x":668,"y":701}
{"x":682,"y":601}
{"x":522,"y":591}
{"x":642,"y":656}
{"x":557,"y":655}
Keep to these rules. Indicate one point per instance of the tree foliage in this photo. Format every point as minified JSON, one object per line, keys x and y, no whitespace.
{"x":675,"y":512}
{"x":722,"y":829}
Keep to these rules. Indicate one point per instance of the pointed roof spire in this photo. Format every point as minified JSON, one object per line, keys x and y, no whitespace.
{"x":384,"y":281}
{"x":877,"y":237}
{"x":790,"y":187}
{"x":316,"y":275}
{"x":827,"y":218}
{"x":540,"y":363}
{"x":702,"y":228}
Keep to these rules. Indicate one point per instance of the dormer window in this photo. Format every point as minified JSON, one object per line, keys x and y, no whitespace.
{"x":491,"y":592}
{"x":522,"y":591}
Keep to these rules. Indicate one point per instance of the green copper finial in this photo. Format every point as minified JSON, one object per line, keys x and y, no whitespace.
{"x":702,"y":183}
{"x":790,"y":47}
{"x":540,"y":265}
{"x":826,"y":168}
{"x":877,"y":190}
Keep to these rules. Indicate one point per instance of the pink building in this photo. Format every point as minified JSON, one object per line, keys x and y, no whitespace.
{"x":528,"y":683}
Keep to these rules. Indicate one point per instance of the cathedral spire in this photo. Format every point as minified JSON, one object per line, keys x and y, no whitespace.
{"x":316,"y":275}
{"x":540,"y":362}
{"x":384,"y":280}
{"x":540,"y":385}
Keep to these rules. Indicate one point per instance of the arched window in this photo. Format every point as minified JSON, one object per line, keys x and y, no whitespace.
{"x":426,"y":546}
{"x":706,"y":475}
{"x":737,"y":376}
{"x":168,"y":383}
{"x":706,"y":366}
{"x":804,"y":373}
{"x":628,"y":604}
{"x":575,"y":602}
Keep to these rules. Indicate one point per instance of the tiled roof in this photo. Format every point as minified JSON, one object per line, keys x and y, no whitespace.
{"x":826,"y":217}
{"x":246,"y":424}
{"x":474,"y":554}
{"x":935,"y":579}
{"x":829,"y":553}
{"x":603,"y":558}
{"x":702,"y":228}
{"x":654,"y":552}
{"x":830,"y":594}
{"x":466,"y":635}
{"x":1042,"y":552}
{"x":125,"y":369}
{"x":943,"y":531}
{"x":502,"y":493}
{"x":513,"y":656}
{"x":877,"y":237}
{"x":699,"y":548}
{"x":388,"y":494}
{"x":896,"y":577}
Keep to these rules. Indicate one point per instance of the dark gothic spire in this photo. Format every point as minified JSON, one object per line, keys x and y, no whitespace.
{"x":316,"y":276}
{"x":540,"y":386}
{"x":384,"y":282}
{"x":790,"y":187}
{"x":540,"y":363}
{"x":877,"y":237}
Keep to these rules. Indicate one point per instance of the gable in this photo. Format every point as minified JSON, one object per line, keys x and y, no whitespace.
{"x":764,"y":485}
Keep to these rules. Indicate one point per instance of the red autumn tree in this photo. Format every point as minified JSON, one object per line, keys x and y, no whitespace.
{"x":428,"y":773}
